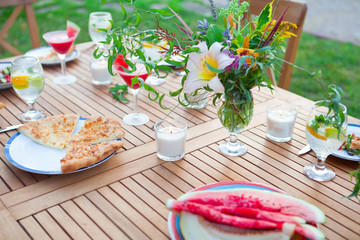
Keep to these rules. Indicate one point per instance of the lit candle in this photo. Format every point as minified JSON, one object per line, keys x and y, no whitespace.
{"x":170,"y":142}
{"x":280,"y":123}
{"x":99,"y":72}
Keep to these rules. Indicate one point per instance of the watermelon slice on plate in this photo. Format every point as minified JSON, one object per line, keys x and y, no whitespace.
{"x":72,"y":29}
{"x":175,"y":220}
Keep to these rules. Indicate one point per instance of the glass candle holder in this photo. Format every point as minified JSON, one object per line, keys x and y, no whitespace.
{"x":280,"y":122}
{"x":170,"y":140}
{"x":99,"y":72}
{"x":197,"y":101}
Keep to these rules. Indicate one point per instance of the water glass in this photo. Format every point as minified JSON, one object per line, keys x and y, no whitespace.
{"x":27,"y":77}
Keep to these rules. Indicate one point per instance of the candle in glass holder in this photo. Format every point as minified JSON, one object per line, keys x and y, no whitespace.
{"x":280,"y":122}
{"x":170,"y":140}
{"x":99,"y":72}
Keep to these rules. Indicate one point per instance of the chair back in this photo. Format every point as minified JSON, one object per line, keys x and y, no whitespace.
{"x":31,"y":20}
{"x":295,"y":14}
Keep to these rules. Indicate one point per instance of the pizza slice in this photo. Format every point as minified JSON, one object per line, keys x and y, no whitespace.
{"x":83,"y":155}
{"x":52,"y":131}
{"x":97,"y":129}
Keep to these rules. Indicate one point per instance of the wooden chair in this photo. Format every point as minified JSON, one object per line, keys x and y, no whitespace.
{"x":30,"y":15}
{"x":295,"y":14}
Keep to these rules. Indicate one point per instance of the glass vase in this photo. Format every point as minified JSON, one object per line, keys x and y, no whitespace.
{"x":235,"y":113}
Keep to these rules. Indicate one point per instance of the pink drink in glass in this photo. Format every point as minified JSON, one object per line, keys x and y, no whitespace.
{"x":61,"y":42}
{"x":140,"y":72}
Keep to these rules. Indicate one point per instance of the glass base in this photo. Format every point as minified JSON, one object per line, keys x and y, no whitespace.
{"x":32,"y":115}
{"x":278,"y":139}
{"x":63,"y":80}
{"x":106,"y":82}
{"x":170,"y":159}
{"x":154,"y":80}
{"x":231,"y":149}
{"x":322,"y":175}
{"x":135,"y":119}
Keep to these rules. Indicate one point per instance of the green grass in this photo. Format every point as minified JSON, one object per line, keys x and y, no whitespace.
{"x":338,"y":61}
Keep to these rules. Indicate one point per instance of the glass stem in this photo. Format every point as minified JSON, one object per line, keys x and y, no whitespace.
{"x":63,"y":65}
{"x":320,"y":165}
{"x":135,"y":93}
{"x":31,"y":107}
{"x":233,"y":139}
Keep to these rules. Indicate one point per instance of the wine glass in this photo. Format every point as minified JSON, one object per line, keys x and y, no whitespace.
{"x":97,"y":21}
{"x":61,"y":42}
{"x":27,"y":77}
{"x":324,"y":138}
{"x":152,"y":51}
{"x":135,"y":118}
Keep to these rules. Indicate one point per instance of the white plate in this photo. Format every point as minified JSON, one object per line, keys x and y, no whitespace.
{"x":24,"y":153}
{"x":352,"y":128}
{"x":2,"y":66}
{"x":45,"y":51}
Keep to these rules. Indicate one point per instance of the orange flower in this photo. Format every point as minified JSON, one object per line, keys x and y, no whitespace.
{"x":246,"y":51}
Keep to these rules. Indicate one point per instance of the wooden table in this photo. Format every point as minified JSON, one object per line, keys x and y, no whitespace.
{"x":124,"y":197}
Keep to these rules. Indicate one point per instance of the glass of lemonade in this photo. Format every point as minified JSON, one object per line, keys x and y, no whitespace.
{"x":98,"y":22}
{"x":27,"y":77}
{"x":325,"y":136}
{"x":152,"y":50}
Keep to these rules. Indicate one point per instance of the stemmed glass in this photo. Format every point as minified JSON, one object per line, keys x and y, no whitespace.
{"x":152,"y":51}
{"x":324,"y":138}
{"x":135,"y":118}
{"x":27,"y":77}
{"x":61,"y":42}
{"x":97,"y":21}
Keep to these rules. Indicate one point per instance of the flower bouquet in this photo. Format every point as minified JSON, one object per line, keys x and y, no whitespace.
{"x":226,"y":59}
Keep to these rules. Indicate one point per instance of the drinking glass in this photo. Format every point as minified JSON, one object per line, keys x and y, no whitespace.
{"x":324,"y":138}
{"x":97,"y":21}
{"x":152,"y":51}
{"x":135,"y":118}
{"x":61,"y":43}
{"x":27,"y":77}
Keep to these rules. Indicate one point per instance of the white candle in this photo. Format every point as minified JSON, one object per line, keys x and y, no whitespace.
{"x":171,"y":142}
{"x":100,"y":73}
{"x":280,"y":124}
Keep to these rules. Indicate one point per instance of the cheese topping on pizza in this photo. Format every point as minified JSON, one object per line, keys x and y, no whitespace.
{"x":97,"y":129}
{"x":79,"y":156}
{"x":52,"y":131}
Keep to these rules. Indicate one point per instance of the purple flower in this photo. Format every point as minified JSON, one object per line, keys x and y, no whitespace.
{"x":204,"y":25}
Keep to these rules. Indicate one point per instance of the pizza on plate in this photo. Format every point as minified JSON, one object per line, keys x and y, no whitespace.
{"x":97,"y":129}
{"x":83,"y":155}
{"x":52,"y":131}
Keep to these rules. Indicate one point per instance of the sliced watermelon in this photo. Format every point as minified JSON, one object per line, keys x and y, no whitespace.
{"x":253,"y":198}
{"x":120,"y":62}
{"x":309,"y":231}
{"x":260,"y":214}
{"x":216,"y":216}
{"x":72,"y":29}
{"x":196,"y":227}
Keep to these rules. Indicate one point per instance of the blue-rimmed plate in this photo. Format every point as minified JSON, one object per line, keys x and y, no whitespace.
{"x":48,"y":56}
{"x":24,"y":153}
{"x":2,"y":66}
{"x":174,"y":220}
{"x":352,"y":128}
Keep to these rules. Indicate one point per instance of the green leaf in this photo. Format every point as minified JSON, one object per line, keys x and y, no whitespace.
{"x":103,"y":1}
{"x":176,"y":93}
{"x":214,"y":34}
{"x":124,"y":13}
{"x":138,"y":20}
{"x":264,"y":49}
{"x":162,"y":13}
{"x":215,"y":70}
{"x":265,"y":16}
{"x":191,"y":49}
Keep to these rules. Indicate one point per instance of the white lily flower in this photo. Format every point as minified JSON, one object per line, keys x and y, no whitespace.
{"x":199,"y":74}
